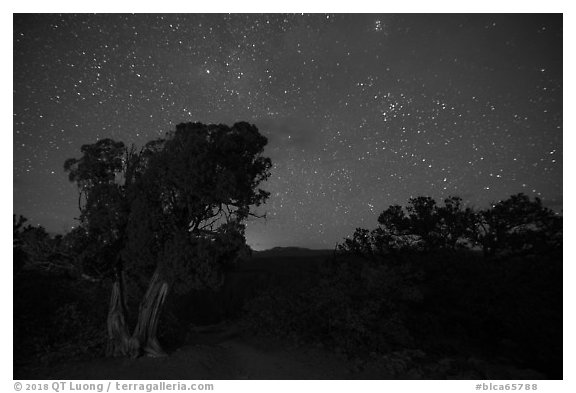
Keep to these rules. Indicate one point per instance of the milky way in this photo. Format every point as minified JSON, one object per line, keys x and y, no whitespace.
{"x":361,"y":111}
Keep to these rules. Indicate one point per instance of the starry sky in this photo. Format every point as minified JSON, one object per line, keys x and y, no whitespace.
{"x":361,"y":110}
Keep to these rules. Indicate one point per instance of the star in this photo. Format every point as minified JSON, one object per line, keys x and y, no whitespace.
{"x":360,"y":111}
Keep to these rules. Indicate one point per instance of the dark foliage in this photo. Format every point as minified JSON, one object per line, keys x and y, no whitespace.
{"x":57,"y":318}
{"x":57,"y":307}
{"x":519,"y":225}
{"x":440,"y":280}
{"x":418,"y":282}
{"x":167,"y":217}
{"x":19,"y":255}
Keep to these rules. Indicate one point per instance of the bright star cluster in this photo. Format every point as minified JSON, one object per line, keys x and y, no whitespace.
{"x":361,"y":111}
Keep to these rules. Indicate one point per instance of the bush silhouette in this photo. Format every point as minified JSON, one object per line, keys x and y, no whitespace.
{"x":420,"y":281}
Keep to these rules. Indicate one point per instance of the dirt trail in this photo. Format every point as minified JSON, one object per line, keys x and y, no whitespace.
{"x":212,"y":355}
{"x":221,"y":352}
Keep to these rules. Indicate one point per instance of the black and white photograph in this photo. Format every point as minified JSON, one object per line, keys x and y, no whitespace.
{"x":288,"y":196}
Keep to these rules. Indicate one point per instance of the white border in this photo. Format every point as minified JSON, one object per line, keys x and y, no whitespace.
{"x":364,"y":6}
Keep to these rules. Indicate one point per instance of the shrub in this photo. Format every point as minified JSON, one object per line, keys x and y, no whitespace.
{"x":355,"y":307}
{"x":57,"y":318}
{"x":453,"y":303}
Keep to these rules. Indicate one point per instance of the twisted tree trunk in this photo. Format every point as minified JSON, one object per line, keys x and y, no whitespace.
{"x":119,"y":340}
{"x":144,"y":337}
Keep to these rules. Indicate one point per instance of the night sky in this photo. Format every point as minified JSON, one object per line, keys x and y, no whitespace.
{"x":361,"y":111}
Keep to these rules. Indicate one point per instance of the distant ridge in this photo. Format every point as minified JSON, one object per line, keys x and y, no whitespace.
{"x":290,"y":252}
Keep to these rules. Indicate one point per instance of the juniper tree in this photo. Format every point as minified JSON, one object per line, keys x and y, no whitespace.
{"x":174,"y":212}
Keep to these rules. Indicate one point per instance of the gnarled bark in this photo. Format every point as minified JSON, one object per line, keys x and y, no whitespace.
{"x":118,"y":337}
{"x":145,"y":334}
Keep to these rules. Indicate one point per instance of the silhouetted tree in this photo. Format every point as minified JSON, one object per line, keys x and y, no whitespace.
{"x":518,"y":224}
{"x":393,"y":233}
{"x":102,"y":200}
{"x":35,"y":247}
{"x":424,"y":221}
{"x":425,"y":225}
{"x":455,"y":222}
{"x":174,"y":210}
{"x":19,"y":256}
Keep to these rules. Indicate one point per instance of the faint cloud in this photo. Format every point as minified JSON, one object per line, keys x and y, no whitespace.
{"x":290,"y":133}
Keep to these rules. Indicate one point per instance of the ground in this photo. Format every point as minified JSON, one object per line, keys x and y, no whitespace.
{"x":223,"y":352}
